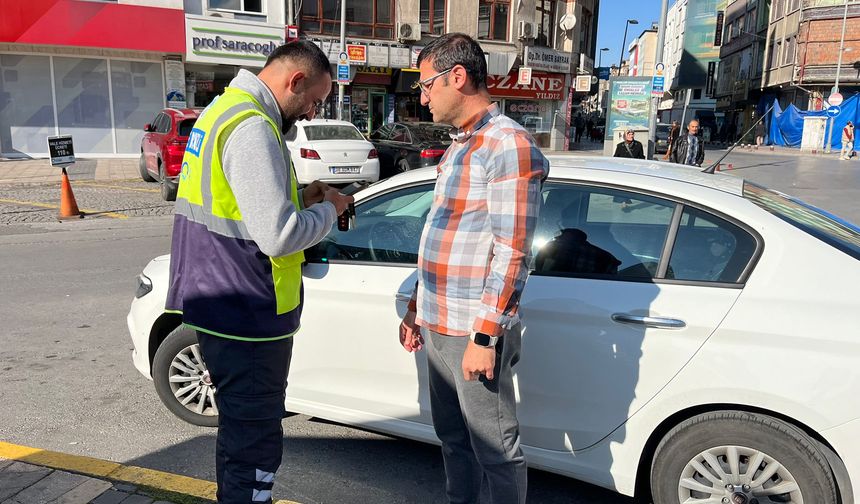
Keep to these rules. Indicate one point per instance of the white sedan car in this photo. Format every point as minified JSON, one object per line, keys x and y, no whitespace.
{"x":332,"y":151}
{"x":688,"y":335}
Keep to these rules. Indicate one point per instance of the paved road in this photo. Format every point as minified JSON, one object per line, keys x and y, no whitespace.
{"x":69,"y":385}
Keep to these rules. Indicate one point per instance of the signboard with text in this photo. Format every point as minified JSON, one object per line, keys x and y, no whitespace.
{"x":357,"y":54}
{"x":629,"y":104}
{"x":230,"y":42}
{"x":524,"y":76}
{"x":543,"y":86}
{"x":61,"y":149}
{"x":583,"y":83}
{"x":550,"y":60}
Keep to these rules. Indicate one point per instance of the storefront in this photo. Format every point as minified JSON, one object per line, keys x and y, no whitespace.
{"x":533,"y":105}
{"x":217,"y":48}
{"x":99,"y":81}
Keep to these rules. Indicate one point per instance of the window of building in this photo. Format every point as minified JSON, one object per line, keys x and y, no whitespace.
{"x":790,"y":48}
{"x":433,"y":16}
{"x":750,"y":24}
{"x":793,"y":5}
{"x":585,"y":34}
{"x":82,"y":102}
{"x":774,"y":55}
{"x":27,"y":119}
{"x":697,"y":94}
{"x":137,"y":91}
{"x":372,"y":19}
{"x":493,"y":19}
{"x":545,"y":17}
{"x":255,"y":6}
{"x":777,"y":9}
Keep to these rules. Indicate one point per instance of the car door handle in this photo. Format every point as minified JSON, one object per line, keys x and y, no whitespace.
{"x":400,"y":296}
{"x":657,"y":322}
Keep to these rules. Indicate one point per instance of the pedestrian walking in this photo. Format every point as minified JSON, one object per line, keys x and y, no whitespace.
{"x":629,"y":147}
{"x":240,"y":228}
{"x":673,"y":135}
{"x":579,"y":124}
{"x":472,"y":268}
{"x":759,"y":133}
{"x":689,"y":148}
{"x":847,"y":142}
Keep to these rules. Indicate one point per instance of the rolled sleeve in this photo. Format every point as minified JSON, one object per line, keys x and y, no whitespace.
{"x":514,"y":180}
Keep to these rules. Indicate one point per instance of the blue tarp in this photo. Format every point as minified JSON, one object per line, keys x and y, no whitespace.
{"x":786,"y":126}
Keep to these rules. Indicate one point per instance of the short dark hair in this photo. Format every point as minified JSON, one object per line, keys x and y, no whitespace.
{"x":457,"y":49}
{"x":303,"y":52}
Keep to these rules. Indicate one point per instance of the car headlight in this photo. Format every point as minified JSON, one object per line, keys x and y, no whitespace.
{"x":144,"y":286}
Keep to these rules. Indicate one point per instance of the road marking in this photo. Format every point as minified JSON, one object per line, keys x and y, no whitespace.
{"x":109,"y":186}
{"x":106,"y":469}
{"x":86,"y":211}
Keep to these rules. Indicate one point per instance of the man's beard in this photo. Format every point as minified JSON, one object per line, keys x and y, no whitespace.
{"x":289,"y":118}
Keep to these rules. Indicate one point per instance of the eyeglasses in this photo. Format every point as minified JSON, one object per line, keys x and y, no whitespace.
{"x":427,"y":83}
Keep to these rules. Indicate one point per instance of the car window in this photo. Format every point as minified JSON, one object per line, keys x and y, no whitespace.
{"x":709,"y":249}
{"x":836,"y":232}
{"x":388,"y":230}
{"x":400,"y":134}
{"x":185,"y":127}
{"x":381,"y":133}
{"x":332,"y":132}
{"x":164,"y":124}
{"x":432,"y":134}
{"x":586,"y":230}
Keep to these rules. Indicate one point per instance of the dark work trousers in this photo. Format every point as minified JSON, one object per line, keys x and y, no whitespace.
{"x":250,"y":379}
{"x":477,"y":422}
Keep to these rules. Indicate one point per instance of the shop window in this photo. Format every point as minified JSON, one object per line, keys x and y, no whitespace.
{"x":697,"y":94}
{"x":372,"y":19}
{"x":26,"y":110}
{"x":545,"y":17}
{"x":83,"y":108}
{"x":433,"y":17}
{"x":534,"y":116}
{"x":254,"y":6}
{"x":137,"y":95}
{"x":493,"y":17}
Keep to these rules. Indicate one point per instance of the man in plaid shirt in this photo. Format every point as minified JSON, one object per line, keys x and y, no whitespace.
{"x":472,"y":268}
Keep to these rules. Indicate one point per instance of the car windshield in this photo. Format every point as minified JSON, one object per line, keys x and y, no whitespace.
{"x":825,"y":226}
{"x":185,"y":127}
{"x":432,"y":134}
{"x":332,"y":132}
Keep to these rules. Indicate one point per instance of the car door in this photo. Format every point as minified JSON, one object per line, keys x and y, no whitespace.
{"x":347,"y":356}
{"x":148,"y":143}
{"x":625,"y":290}
{"x":383,"y":148}
{"x":162,"y":132}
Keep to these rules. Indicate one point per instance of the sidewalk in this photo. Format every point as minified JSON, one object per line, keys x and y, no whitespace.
{"x":24,"y":171}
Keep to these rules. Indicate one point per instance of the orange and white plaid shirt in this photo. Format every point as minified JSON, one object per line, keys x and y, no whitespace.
{"x":473,"y":258}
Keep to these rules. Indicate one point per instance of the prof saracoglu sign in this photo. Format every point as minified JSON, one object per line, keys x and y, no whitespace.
{"x":230,"y":42}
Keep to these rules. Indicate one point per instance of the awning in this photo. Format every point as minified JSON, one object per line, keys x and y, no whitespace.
{"x":405,"y":79}
{"x":92,"y":24}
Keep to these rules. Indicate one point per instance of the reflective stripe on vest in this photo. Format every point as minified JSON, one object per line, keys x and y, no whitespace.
{"x":204,"y":196}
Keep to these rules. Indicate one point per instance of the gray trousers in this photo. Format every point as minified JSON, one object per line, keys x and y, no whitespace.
{"x":477,"y":423}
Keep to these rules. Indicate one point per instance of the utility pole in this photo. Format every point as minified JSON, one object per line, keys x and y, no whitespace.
{"x":838,"y":71}
{"x":340,"y":87}
{"x":290,"y":13}
{"x":655,"y":101}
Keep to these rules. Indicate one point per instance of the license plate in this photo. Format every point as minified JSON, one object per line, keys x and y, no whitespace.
{"x":338,"y":170}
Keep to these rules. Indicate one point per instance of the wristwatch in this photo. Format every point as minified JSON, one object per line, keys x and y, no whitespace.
{"x":484,"y":340}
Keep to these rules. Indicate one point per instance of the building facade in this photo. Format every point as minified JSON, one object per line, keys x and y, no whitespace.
{"x":642,"y":53}
{"x":742,"y":52}
{"x":802,"y":51}
{"x":691,"y":54}
{"x":91,"y":69}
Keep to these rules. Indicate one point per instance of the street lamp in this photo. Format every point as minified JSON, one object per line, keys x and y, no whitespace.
{"x":624,"y":42}
{"x":600,"y":56}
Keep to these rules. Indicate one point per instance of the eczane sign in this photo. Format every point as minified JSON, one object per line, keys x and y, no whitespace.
{"x":543,"y":86}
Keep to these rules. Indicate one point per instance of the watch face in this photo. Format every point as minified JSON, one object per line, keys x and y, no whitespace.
{"x":483,"y":340}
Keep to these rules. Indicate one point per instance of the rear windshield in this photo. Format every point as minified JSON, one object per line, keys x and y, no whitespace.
{"x":432,"y":134}
{"x":827,"y":227}
{"x":185,"y":127}
{"x":332,"y":132}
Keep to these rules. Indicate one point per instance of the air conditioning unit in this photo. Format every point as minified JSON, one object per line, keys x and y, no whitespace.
{"x":408,"y":31}
{"x":527,"y":30}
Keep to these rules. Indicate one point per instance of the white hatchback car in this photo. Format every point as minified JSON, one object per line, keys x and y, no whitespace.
{"x":688,"y":335}
{"x":332,"y":151}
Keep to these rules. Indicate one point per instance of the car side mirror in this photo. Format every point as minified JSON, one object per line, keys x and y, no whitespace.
{"x":147,"y":128}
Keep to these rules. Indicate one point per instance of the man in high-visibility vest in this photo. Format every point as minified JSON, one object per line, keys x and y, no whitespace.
{"x":235,"y":271}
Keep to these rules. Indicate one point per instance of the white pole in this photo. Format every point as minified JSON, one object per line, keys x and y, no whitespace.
{"x":838,"y":71}
{"x":290,"y":15}
{"x":655,"y":102}
{"x":340,"y":87}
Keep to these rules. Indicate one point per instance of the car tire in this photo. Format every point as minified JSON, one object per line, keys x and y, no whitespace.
{"x":144,"y":173}
{"x":402,"y":166}
{"x":168,"y":191}
{"x":178,"y":365}
{"x":695,"y":460}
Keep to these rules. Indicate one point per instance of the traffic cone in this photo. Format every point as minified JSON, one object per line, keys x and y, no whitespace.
{"x":68,"y":205}
{"x":731,"y":166}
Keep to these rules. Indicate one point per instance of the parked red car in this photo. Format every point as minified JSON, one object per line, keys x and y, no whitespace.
{"x":162,"y":148}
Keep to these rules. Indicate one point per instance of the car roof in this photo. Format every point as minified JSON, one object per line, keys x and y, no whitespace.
{"x":565,"y":166}
{"x":185,"y":113}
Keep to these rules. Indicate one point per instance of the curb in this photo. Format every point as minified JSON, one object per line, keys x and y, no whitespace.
{"x":105,"y":469}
